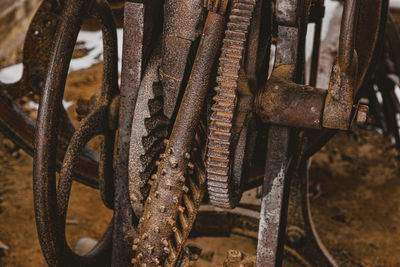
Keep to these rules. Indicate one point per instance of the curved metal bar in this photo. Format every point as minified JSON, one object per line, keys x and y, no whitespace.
{"x":175,"y":164}
{"x":50,"y":207}
{"x":103,"y":13}
{"x":348,"y":35}
{"x":301,"y":235}
{"x":44,"y":182}
{"x":15,"y":123}
{"x":92,"y":125}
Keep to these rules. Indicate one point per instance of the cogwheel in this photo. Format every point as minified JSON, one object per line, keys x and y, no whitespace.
{"x":148,"y":247}
{"x":148,"y":135}
{"x":221,"y":138}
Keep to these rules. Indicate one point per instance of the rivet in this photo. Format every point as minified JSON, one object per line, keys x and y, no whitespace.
{"x":164,"y":242}
{"x":187,"y":155}
{"x":185,"y":188}
{"x":166,"y":250}
{"x":191,"y":165}
{"x":174,"y":162}
{"x":171,"y":222}
{"x":181,"y":209}
{"x":154,"y":177}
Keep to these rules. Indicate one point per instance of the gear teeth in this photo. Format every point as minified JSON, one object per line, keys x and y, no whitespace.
{"x":219,"y":151}
{"x":187,"y":207}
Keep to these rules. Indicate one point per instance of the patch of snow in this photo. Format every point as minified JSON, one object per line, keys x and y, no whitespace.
{"x":395,"y":3}
{"x":11,"y":74}
{"x":67,"y":104}
{"x":33,"y":105}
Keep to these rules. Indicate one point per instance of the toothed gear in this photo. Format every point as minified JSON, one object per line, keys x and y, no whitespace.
{"x":220,"y":139}
{"x":148,"y":247}
{"x":148,"y":135}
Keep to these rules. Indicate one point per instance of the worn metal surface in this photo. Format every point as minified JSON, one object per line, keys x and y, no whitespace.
{"x":223,"y":190}
{"x":157,"y":196}
{"x":141,"y":31}
{"x":158,"y":235}
{"x":302,"y":242}
{"x":338,"y":108}
{"x":275,"y":199}
{"x":284,"y":102}
{"x":274,"y":205}
{"x":15,"y":123}
{"x":183,"y":23}
{"x":317,"y":13}
{"x":50,"y":202}
{"x":149,"y":133}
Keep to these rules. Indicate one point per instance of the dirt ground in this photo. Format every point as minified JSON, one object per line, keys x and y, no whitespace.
{"x":355,"y":200}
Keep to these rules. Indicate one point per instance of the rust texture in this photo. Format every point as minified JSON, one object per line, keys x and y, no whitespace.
{"x":286,"y":103}
{"x":181,"y":145}
{"x":16,"y":124}
{"x":274,"y":203}
{"x":162,"y":206}
{"x":223,"y":191}
{"x":50,"y":202}
{"x":182,"y":27}
{"x":339,"y":102}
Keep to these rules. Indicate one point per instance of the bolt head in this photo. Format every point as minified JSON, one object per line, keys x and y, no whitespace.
{"x":362,"y":115}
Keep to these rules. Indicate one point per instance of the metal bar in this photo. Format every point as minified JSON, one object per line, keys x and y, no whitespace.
{"x":316,"y":45}
{"x":301,"y":234}
{"x":44,"y":182}
{"x":161,"y":210}
{"x":274,"y":203}
{"x":132,"y":62}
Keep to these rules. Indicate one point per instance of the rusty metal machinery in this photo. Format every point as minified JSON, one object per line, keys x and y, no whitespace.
{"x":196,"y":121}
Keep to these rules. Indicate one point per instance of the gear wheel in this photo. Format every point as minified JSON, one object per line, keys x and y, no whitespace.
{"x":222,"y":138}
{"x":149,"y":132}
